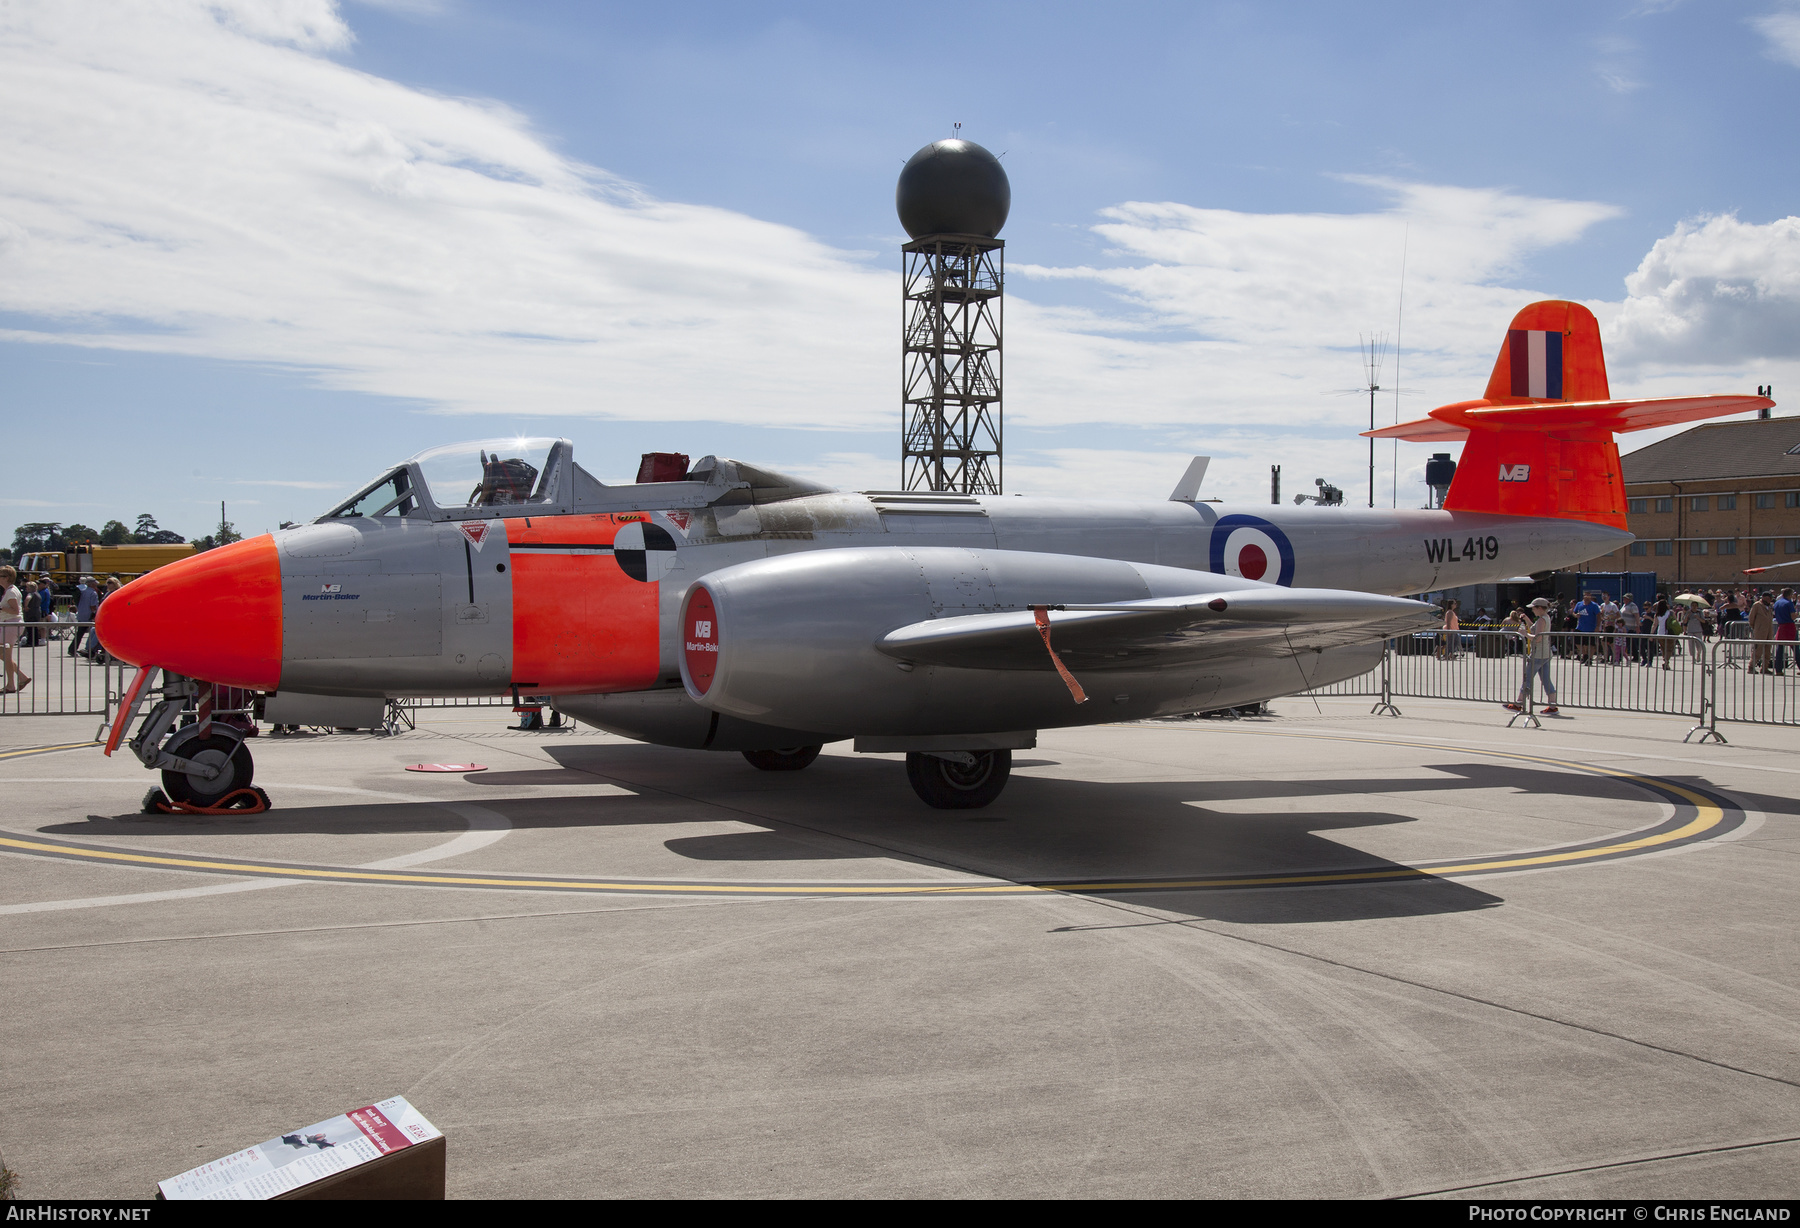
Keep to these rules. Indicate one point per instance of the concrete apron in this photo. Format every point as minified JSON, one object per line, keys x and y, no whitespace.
{"x":1313,"y":955}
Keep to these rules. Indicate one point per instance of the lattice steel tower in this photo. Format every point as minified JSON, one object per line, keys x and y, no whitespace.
{"x":953,"y":199}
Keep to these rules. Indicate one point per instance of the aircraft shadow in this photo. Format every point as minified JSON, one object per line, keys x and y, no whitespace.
{"x":1042,"y":830}
{"x":1768,"y":803}
{"x":1045,"y":830}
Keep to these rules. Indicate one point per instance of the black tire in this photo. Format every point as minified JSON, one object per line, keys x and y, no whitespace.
{"x":787,"y":759}
{"x":951,"y":786}
{"x":229,"y":754}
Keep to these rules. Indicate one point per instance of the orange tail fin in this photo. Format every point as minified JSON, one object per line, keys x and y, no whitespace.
{"x":1540,"y":442}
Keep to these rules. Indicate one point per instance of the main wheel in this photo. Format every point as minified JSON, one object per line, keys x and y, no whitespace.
{"x":956,"y":786}
{"x":787,"y":759}
{"x":229,"y":755}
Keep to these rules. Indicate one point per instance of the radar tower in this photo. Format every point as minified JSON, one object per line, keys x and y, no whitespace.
{"x":953,"y":198}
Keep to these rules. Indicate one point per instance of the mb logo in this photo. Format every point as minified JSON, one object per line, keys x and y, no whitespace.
{"x":1515,"y":473}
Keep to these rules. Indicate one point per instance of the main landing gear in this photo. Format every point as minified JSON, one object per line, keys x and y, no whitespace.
{"x":945,"y":779}
{"x":787,"y":759}
{"x":958,"y":779}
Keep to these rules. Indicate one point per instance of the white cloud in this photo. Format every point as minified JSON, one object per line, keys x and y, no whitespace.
{"x":288,"y":485}
{"x":312,"y":24}
{"x":192,"y":178}
{"x":848,"y":470}
{"x":1249,"y":322}
{"x":1256,"y":278}
{"x":1782,"y":30}
{"x":1716,"y":292}
{"x":1617,"y":64}
{"x":200,"y":178}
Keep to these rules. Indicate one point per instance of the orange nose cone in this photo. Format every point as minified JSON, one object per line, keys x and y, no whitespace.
{"x":215,"y":616}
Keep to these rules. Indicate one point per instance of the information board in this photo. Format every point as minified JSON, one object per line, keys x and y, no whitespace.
{"x":309,"y":1154}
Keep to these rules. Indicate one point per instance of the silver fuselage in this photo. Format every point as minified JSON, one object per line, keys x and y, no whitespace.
{"x":430,"y":616}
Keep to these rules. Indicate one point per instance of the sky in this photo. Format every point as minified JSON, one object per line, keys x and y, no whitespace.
{"x":253,"y":251}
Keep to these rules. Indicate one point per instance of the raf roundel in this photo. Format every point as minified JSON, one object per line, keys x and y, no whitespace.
{"x":1251,"y":548}
{"x":644,"y":551}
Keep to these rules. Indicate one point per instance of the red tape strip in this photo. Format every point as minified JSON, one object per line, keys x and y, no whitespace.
{"x":1042,"y":615}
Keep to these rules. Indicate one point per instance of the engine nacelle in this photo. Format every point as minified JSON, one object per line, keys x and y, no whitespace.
{"x":790,"y":641}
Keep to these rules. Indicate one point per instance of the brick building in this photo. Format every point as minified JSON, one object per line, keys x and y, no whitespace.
{"x":1711,"y":501}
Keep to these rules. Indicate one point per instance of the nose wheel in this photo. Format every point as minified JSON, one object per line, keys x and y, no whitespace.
{"x":967,"y":782}
{"x":227,"y":754}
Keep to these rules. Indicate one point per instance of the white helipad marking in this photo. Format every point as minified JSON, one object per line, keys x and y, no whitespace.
{"x":142,"y":897}
{"x":485,"y":828}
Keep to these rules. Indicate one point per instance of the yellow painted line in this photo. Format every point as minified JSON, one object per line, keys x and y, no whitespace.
{"x":1707,"y":816}
{"x":237,"y":867}
{"x":42,"y":750}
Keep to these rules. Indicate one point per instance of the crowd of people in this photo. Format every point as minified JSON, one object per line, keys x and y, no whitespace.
{"x":30,"y":614}
{"x":1597,"y":630}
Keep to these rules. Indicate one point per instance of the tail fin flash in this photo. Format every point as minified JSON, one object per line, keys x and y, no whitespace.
{"x":1552,"y":352}
{"x":1540,"y":442}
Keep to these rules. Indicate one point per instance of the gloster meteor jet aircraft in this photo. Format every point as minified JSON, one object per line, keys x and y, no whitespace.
{"x":728,"y":607}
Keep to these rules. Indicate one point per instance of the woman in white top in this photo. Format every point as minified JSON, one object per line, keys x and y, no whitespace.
{"x":12,"y":622}
{"x":1695,"y":630}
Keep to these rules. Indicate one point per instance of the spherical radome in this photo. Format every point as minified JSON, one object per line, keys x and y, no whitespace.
{"x":953,"y":187}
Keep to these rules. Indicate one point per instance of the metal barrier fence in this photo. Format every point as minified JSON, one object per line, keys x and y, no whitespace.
{"x":1730,"y":678}
{"x":1755,"y":682}
{"x":1620,"y":673}
{"x":69,"y":674}
{"x":1361,"y":685}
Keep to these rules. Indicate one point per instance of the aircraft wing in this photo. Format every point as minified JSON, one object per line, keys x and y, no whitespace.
{"x":1163,"y":631}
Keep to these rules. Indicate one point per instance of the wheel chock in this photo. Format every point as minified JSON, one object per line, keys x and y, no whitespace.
{"x":238,"y":802}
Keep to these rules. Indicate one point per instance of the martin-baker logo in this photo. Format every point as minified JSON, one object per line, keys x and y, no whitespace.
{"x":331,"y":592}
{"x":1515,"y":473}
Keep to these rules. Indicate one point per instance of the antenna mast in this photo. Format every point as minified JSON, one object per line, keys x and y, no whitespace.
{"x":1399,"y":319}
{"x":1374,"y":352}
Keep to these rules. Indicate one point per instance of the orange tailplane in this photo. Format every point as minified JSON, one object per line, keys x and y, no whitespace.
{"x":1540,"y":442}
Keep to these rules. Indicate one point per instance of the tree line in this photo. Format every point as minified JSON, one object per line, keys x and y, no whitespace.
{"x":53,"y":535}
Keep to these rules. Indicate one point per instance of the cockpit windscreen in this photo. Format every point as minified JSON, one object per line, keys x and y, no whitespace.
{"x":488,"y":473}
{"x":391,"y":496}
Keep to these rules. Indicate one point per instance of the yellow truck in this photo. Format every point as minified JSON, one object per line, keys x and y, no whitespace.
{"x":125,"y":562}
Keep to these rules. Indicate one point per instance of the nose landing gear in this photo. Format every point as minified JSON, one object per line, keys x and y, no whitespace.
{"x":204,"y":764}
{"x":226,"y":756}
